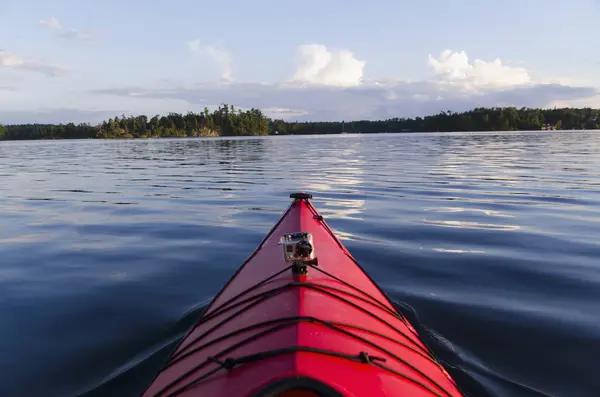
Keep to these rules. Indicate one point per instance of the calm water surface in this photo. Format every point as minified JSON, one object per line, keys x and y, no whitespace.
{"x":109,"y":249}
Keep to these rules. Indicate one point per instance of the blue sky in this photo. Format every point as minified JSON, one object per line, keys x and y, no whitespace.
{"x":83,"y":61}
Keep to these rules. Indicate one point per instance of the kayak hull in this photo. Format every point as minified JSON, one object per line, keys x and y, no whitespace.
{"x":275,"y":331}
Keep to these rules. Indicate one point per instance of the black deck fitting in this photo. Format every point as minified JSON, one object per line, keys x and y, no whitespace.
{"x":301,"y":196}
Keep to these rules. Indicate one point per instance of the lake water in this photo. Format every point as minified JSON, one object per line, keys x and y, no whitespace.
{"x":109,"y":249}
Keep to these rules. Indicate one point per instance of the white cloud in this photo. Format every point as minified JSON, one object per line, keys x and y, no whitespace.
{"x":13,"y":61}
{"x":67,"y":33}
{"x":454,"y":67}
{"x":318,"y":65}
{"x":315,"y":64}
{"x":329,"y":85}
{"x":218,"y":54}
{"x":10,"y":60}
{"x":51,"y":23}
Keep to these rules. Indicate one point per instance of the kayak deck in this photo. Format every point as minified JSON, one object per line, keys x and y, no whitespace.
{"x":272,"y":331}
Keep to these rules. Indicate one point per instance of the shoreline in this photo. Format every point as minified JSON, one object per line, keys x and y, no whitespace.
{"x":292,"y":135}
{"x":227,"y":121}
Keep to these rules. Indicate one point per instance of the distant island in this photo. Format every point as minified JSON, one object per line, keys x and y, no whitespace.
{"x":229,"y":121}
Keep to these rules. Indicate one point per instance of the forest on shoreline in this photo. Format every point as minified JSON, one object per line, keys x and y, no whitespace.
{"x":226,"y":120}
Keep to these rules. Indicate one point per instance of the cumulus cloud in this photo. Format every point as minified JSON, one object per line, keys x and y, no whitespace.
{"x":318,"y":65}
{"x":454,"y":67}
{"x":13,"y":61}
{"x":329,"y":85}
{"x":67,"y":33}
{"x":218,"y":54}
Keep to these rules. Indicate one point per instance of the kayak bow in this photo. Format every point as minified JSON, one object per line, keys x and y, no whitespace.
{"x":301,"y":318}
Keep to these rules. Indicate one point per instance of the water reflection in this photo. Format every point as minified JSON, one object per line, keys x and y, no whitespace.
{"x":25,"y":238}
{"x":472,"y":225}
{"x":458,"y":251}
{"x":487,"y":212}
{"x":104,"y":241}
{"x":343,"y":209}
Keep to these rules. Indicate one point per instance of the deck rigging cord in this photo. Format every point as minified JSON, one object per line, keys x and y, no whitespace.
{"x":274,"y":325}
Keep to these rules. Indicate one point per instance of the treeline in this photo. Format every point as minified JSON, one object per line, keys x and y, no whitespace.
{"x":227,"y":121}
{"x":479,"y":119}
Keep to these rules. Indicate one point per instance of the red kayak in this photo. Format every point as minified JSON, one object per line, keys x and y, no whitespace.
{"x":301,"y":318}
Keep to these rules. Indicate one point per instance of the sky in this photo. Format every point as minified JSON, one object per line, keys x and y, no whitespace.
{"x":86,"y":61}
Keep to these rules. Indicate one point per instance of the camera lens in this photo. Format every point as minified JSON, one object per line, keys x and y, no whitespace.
{"x":303,"y":248}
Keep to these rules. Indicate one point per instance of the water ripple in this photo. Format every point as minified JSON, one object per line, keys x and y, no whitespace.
{"x":490,"y":241}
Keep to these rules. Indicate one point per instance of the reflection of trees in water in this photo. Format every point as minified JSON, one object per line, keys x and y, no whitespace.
{"x":189,"y":152}
{"x":244,"y":150}
{"x":237,"y":156}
